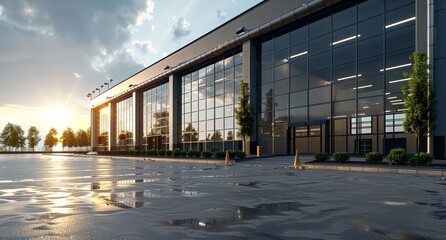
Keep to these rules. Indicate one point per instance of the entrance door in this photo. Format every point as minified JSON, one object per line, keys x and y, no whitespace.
{"x":309,"y":139}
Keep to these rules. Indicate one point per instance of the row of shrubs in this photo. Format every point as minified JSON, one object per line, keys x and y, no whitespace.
{"x":337,"y":157}
{"x":397,"y":156}
{"x":176,"y":153}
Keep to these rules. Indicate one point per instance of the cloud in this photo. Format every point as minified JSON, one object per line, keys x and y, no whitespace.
{"x":147,"y":14}
{"x":77,"y":75}
{"x":152,"y":27}
{"x":181,"y":27}
{"x":164,"y":54}
{"x":221,"y":15}
{"x":145,"y":46}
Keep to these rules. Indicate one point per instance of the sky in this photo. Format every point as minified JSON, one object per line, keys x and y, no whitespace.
{"x":53,"y":53}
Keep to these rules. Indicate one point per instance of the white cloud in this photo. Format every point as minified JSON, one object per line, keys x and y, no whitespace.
{"x":152,"y":27}
{"x":145,"y":46}
{"x":77,"y":75}
{"x":181,"y":27}
{"x":147,"y":14}
{"x":164,"y":54}
{"x":1,"y":10}
{"x":221,"y":15}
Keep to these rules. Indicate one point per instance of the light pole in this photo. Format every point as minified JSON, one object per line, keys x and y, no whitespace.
{"x":108,"y":83}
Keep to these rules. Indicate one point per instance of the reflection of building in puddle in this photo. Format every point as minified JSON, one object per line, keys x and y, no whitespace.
{"x":120,"y":200}
{"x":240,"y":214}
{"x":120,"y":184}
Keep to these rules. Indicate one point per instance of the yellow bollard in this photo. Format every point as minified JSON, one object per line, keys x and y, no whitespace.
{"x":297,"y":163}
{"x":227,"y":159}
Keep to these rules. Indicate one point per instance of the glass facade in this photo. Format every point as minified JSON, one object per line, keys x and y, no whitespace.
{"x":125,"y":124}
{"x":156,"y":117}
{"x":209,"y":96}
{"x":340,"y":73}
{"x":102,"y":125}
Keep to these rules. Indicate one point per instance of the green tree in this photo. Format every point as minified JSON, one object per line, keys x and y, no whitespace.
{"x":33,"y":137}
{"x":89,"y":136}
{"x":68,"y":139}
{"x":13,"y":136}
{"x":419,"y":100}
{"x":51,"y":139}
{"x":244,"y":114}
{"x":81,"y":138}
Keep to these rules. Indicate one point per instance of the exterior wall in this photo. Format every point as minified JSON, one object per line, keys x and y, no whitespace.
{"x":325,"y":100}
{"x":439,"y":83}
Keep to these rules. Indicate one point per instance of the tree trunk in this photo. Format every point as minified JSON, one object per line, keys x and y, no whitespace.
{"x":243,"y":144}
{"x":418,"y":143}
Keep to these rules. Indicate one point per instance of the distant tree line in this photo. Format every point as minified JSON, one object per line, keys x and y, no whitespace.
{"x":13,"y":137}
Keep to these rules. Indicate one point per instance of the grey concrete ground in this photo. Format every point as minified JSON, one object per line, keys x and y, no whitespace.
{"x":58,"y":197}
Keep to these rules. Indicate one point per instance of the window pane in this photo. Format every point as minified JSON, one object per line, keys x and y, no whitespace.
{"x":401,"y":39}
{"x":298,"y":67}
{"x":298,"y":114}
{"x":298,"y":99}
{"x":370,"y":106}
{"x":370,"y":8}
{"x":344,"y":109}
{"x":371,"y":27}
{"x":344,"y":54}
{"x":320,"y":27}
{"x":299,"y":35}
{"x":344,"y":18}
{"x":370,"y":47}
{"x":320,"y":78}
{"x":281,"y":72}
{"x":320,"y":95}
{"x":281,"y":87}
{"x":299,"y":83}
{"x":344,"y":90}
{"x":281,"y":41}
{"x":320,"y":61}
{"x":319,"y":112}
{"x":320,"y":44}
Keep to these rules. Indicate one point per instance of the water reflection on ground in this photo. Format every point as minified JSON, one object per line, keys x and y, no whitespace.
{"x":61,"y":197}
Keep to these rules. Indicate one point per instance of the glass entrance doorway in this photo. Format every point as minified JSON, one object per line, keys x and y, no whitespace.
{"x":309,"y":139}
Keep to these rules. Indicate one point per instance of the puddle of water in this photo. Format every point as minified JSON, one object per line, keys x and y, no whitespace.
{"x":287,"y":173}
{"x":240,"y":214}
{"x":250,"y":184}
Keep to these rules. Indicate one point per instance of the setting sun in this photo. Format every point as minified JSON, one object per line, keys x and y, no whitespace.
{"x":59,"y":116}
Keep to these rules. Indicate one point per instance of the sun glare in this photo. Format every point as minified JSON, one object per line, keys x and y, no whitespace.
{"x":59,"y":116}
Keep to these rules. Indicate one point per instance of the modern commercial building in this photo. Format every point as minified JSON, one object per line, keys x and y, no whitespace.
{"x":324,"y":76}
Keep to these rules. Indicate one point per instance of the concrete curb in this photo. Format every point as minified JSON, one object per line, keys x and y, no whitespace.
{"x":378,"y":170}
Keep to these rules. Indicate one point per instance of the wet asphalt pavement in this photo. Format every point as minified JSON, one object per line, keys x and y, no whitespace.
{"x":59,"y":197}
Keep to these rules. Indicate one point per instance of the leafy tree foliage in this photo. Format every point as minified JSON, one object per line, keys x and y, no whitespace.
{"x":13,"y":136}
{"x":51,"y":139}
{"x":81,"y":138}
{"x":33,"y":137}
{"x":419,"y":99}
{"x":68,"y":139}
{"x":244,"y":114}
{"x":89,"y":136}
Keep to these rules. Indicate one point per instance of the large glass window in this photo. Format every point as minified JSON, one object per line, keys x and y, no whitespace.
{"x":156,"y":115}
{"x":125,"y":123}
{"x":209,"y":123}
{"x":346,"y":65}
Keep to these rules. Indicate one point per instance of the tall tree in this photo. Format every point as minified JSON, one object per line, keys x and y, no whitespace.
{"x":419,"y":100}
{"x":244,"y":114}
{"x":81,"y":138}
{"x":51,"y":139}
{"x":68,"y":139}
{"x":13,"y":136}
{"x":89,"y":136}
{"x":33,"y":137}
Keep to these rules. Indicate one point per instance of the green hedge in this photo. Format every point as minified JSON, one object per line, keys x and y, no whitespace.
{"x":373,"y":157}
{"x":322,"y":157}
{"x":207,"y":154}
{"x":341,"y":157}
{"x":397,"y":156}
{"x":420,"y":159}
